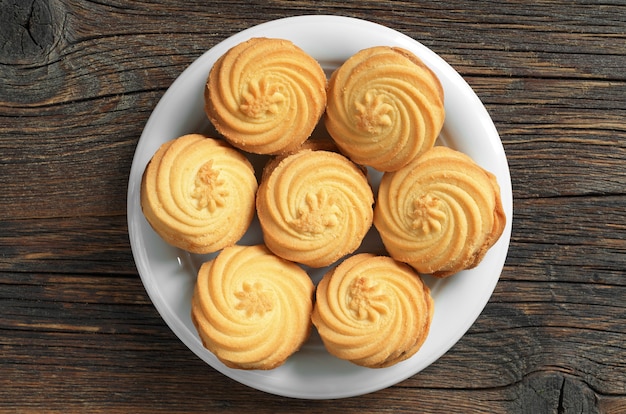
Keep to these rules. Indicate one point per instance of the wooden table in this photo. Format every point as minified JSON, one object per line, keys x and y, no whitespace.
{"x":78,"y":332}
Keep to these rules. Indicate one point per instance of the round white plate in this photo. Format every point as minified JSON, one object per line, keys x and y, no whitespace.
{"x":168,"y":274}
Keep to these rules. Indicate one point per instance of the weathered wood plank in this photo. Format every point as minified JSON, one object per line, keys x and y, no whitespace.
{"x":66,"y":245}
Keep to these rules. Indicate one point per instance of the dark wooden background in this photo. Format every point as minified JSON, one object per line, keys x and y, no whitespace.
{"x":78,"y":81}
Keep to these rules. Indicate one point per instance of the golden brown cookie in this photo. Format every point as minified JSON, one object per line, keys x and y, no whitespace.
{"x":265,"y":95}
{"x":372,"y":311}
{"x":198,"y":193}
{"x":314,"y":207}
{"x":441,"y":213}
{"x":251,"y":308}
{"x":385,"y":107}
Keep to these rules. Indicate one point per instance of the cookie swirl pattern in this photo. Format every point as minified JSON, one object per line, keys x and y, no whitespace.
{"x":252,"y":309}
{"x":314,"y":207}
{"x":372,"y":311}
{"x":385,"y":107}
{"x":198,"y":193}
{"x":265,"y":95}
{"x":440,"y":214}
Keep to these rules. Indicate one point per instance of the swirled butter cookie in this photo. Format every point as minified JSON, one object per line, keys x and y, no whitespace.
{"x":251,"y":308}
{"x":265,"y":95}
{"x":198,"y":193}
{"x":372,"y":311}
{"x":385,"y":107}
{"x":441,"y":213}
{"x":314,"y":207}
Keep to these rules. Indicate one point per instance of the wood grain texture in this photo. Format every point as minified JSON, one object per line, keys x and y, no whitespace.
{"x":80,"y":79}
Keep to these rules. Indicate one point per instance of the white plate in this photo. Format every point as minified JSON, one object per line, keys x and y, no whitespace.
{"x":168,"y":274}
